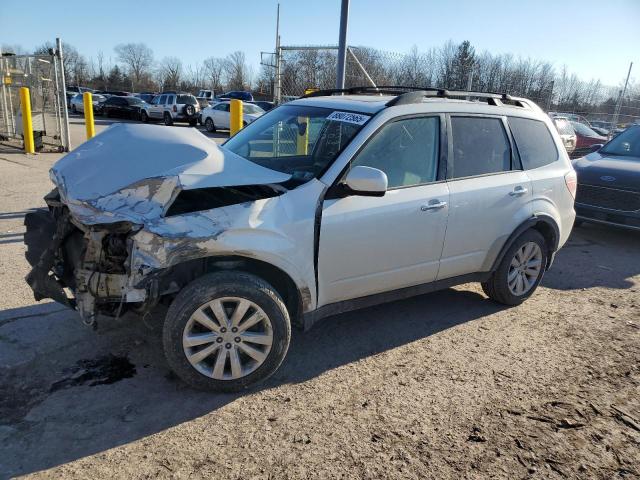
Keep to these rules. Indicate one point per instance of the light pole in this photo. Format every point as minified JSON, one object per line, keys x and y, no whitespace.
{"x":342,"y":44}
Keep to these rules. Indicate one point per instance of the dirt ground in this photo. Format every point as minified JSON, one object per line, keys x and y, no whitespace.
{"x":446,"y":386}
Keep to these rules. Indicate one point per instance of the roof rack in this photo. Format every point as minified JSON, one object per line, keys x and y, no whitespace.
{"x":410,"y":95}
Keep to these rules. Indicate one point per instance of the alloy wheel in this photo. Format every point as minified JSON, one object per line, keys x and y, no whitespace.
{"x":227,"y":338}
{"x":525,"y":268}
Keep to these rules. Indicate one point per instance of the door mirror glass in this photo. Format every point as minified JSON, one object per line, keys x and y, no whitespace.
{"x":366,"y":181}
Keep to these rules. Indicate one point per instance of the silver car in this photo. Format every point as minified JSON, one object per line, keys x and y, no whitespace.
{"x":323,"y":205}
{"x":77,"y":103}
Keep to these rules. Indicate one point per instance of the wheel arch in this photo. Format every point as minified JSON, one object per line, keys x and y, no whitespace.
{"x":543,"y":223}
{"x":296,"y":298}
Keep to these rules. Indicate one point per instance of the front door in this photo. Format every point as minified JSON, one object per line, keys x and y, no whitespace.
{"x":370,"y":245}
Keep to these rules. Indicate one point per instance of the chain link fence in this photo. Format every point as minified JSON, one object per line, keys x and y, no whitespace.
{"x":43,"y":75}
{"x":454,"y":68}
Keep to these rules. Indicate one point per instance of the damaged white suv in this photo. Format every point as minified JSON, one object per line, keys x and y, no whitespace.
{"x":325,"y":204}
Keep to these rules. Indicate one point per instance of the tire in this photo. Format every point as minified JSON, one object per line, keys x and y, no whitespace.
{"x":144,"y":117}
{"x":189,"y":304}
{"x":209,"y":125}
{"x":74,"y":109}
{"x":168,"y":121}
{"x":497,"y":287}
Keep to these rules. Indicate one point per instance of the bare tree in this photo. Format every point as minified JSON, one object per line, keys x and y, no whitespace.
{"x":169,"y":73}
{"x":137,"y":57}
{"x":214,"y":69}
{"x":236,"y":70}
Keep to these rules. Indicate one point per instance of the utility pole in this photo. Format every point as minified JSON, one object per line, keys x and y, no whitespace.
{"x":277,"y":87}
{"x":619,"y":104}
{"x":342,"y":44}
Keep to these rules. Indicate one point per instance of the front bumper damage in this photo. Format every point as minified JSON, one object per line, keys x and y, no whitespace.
{"x":82,"y":267}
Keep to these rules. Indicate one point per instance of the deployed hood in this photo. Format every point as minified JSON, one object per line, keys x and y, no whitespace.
{"x":609,"y":171}
{"x":133,"y":172}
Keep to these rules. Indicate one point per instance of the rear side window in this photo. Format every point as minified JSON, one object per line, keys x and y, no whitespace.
{"x":534,"y":142}
{"x":480,"y":146}
{"x":187,"y":99}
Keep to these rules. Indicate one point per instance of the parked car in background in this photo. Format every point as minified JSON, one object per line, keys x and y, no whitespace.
{"x":172,"y":107}
{"x":146,"y":96}
{"x":351,"y":206}
{"x":566,"y":132}
{"x":77,"y":103}
{"x":205,"y":98}
{"x":218,"y":115}
{"x":238,"y":95}
{"x":601,"y":126}
{"x":263,"y":104}
{"x":111,"y":93}
{"x":123,"y":106}
{"x":585,"y":138}
{"x":609,"y":182}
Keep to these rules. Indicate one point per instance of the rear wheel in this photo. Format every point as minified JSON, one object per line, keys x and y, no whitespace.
{"x":74,"y":109}
{"x":144,"y":117}
{"x":520,"y":271}
{"x":168,"y":121}
{"x":209,"y":125}
{"x":226,"y":331}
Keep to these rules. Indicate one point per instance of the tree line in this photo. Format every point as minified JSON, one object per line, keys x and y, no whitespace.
{"x":452,"y":66}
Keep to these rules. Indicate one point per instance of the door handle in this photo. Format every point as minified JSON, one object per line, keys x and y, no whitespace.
{"x":518,"y":191}
{"x":433,"y":205}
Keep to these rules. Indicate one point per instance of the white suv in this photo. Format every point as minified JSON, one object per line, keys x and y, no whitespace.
{"x":323,"y":205}
{"x":172,"y":107}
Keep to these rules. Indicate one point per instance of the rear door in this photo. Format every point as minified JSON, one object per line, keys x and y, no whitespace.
{"x":221,"y":115}
{"x":490,"y":194}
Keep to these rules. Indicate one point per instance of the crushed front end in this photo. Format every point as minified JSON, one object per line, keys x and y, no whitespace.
{"x":85,"y":267}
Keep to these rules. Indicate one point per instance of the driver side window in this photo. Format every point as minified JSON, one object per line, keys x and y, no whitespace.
{"x":406,"y":150}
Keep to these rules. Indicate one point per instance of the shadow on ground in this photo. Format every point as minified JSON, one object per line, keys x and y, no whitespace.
{"x":67,"y":392}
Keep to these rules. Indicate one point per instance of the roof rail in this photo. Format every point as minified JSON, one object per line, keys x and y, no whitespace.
{"x":408,"y":95}
{"x":379,"y":90}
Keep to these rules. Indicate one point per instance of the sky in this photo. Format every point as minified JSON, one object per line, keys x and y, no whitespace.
{"x":595,"y":39}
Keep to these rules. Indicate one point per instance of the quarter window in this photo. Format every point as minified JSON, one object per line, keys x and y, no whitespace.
{"x":534,"y":142}
{"x":406,"y":150}
{"x":480,"y":146}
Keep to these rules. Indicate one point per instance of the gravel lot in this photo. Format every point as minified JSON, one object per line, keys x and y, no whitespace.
{"x":447,"y":385}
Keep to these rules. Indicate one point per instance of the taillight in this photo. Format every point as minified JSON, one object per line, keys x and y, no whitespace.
{"x":571,"y":179}
{"x":175,"y":108}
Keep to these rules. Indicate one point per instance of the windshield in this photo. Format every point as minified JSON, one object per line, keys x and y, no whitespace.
{"x":298,"y":140}
{"x":583,"y":130}
{"x":133,"y":101}
{"x":627,"y":144}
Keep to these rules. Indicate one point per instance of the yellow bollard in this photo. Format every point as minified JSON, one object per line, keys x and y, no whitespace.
{"x":27,"y":124}
{"x":303,"y":139}
{"x":235,"y":123}
{"x":88,"y":115}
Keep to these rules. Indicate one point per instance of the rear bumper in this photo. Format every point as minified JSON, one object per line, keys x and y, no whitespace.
{"x":605,"y":216}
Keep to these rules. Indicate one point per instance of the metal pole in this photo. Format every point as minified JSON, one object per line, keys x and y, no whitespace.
{"x":366,"y":74}
{"x":277,"y":86}
{"x":342,"y":44}
{"x":56,"y":98}
{"x":619,"y":104}
{"x":66,"y":137}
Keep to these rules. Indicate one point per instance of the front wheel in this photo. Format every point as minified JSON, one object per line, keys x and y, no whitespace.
{"x":226,"y":331}
{"x":520,"y":271}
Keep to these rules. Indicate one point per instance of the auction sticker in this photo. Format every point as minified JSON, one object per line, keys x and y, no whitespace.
{"x":349,"y":117}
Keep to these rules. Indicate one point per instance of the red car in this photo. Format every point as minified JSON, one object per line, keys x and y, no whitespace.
{"x":586,"y":137}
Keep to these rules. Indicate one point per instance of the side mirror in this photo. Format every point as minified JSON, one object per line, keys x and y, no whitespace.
{"x":366,"y":181}
{"x":595,"y":147}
